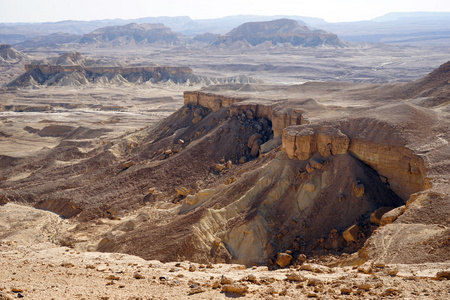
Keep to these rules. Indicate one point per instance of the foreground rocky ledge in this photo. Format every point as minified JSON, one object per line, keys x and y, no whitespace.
{"x":41,"y":271}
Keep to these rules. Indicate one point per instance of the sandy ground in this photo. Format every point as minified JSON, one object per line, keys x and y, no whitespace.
{"x":112,"y":110}
{"x":35,"y":268}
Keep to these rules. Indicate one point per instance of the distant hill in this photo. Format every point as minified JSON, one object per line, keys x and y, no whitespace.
{"x":420,"y":28}
{"x":225,"y":24}
{"x":73,"y":69}
{"x":13,"y":33}
{"x":129,"y":34}
{"x":10,"y":55}
{"x":435,"y":85}
{"x":51,"y":40}
{"x":279,"y":31}
{"x":133,"y":33}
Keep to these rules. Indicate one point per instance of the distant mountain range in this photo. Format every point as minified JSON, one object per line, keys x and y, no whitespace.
{"x":282,"y":31}
{"x":420,"y":27}
{"x":133,"y":33}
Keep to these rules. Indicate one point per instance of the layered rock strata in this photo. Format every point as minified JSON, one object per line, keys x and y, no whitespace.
{"x":77,"y":75}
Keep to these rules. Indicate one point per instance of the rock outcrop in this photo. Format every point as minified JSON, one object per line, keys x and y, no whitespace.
{"x":71,"y":58}
{"x":302,"y":142}
{"x":279,"y":118}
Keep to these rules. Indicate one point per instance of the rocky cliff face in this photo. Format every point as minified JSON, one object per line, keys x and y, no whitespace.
{"x":278,"y":32}
{"x":280,"y":118}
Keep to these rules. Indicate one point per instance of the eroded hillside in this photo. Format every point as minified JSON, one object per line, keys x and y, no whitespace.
{"x":72,"y":69}
{"x":257,"y":174}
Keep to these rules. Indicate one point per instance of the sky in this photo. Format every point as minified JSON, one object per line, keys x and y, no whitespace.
{"x":329,"y":10}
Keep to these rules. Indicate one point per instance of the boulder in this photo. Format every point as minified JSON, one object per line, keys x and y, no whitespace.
{"x":358,"y":189}
{"x":255,"y":148}
{"x":177,"y":148}
{"x":192,"y":268}
{"x":270,"y":145}
{"x":250,"y":114}
{"x":283,"y":259}
{"x":295,"y":277}
{"x":182,"y":192}
{"x":309,"y":168}
{"x":351,"y":234}
{"x":197,"y":119}
{"x":126,"y":226}
{"x":253,"y":138}
{"x":196,"y":289}
{"x":316,"y":164}
{"x":138,"y":275}
{"x":198,"y":112}
{"x":376,"y":216}
{"x":392,"y":215}
{"x":220,"y":167}
{"x":442,"y":275}
{"x":229,"y":164}
{"x":226,"y":280}
{"x":128,"y":164}
{"x":301,"y":258}
{"x":309,"y":186}
{"x":235,"y":288}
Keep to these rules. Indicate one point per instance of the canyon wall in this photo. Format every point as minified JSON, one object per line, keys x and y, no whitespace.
{"x":400,"y":169}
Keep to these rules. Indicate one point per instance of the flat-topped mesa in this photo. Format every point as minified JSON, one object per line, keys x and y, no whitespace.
{"x":279,"y":117}
{"x":52,"y":69}
{"x":211,"y":101}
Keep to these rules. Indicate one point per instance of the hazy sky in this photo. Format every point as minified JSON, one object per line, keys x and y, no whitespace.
{"x":330,"y":10}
